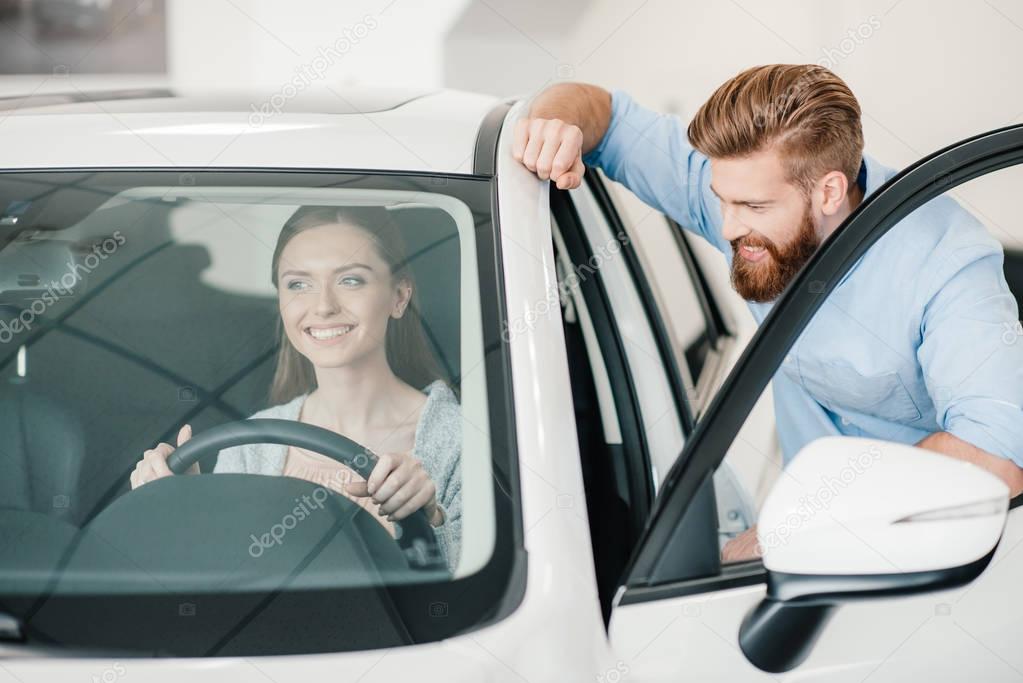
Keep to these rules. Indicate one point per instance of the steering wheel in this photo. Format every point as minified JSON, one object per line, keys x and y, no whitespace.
{"x":414,"y":534}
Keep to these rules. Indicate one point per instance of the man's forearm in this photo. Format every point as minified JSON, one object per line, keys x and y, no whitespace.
{"x":580,"y":104}
{"x":948,"y":444}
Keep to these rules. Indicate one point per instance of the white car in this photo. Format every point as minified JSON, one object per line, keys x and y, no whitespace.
{"x":615,"y":429}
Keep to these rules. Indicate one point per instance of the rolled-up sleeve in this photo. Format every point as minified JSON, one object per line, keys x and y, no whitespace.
{"x":650,"y":154}
{"x":972,"y":351}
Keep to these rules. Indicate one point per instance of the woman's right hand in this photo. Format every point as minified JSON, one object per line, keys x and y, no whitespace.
{"x":153,"y":464}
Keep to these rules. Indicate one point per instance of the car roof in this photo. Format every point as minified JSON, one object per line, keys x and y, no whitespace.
{"x":166,"y":100}
{"x":287,"y":127}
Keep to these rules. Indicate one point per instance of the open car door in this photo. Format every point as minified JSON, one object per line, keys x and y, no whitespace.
{"x":919,"y":579}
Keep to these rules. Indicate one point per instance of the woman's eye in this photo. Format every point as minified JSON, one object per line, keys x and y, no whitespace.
{"x":351,"y":281}
{"x":297,"y":286}
{"x":757,"y":207}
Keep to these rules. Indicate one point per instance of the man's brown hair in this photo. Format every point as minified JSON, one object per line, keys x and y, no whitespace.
{"x":804,"y":110}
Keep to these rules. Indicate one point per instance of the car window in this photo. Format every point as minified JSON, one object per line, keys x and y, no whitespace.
{"x":621,"y":326}
{"x":657,"y":401}
{"x":605,"y":436}
{"x":704,"y":347}
{"x":133,"y":303}
{"x":680,"y":299}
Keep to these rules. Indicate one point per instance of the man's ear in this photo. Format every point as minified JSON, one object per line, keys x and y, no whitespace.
{"x":833,"y":188}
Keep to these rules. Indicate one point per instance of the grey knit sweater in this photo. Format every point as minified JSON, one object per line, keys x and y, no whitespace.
{"x":438,"y":445}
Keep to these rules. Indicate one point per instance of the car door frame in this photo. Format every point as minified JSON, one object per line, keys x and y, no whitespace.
{"x":636,"y":448}
{"x":654,"y":571}
{"x":691,"y":392}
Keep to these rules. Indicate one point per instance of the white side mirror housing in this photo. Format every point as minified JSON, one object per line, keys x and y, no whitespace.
{"x":849,"y":505}
{"x":854,"y":519}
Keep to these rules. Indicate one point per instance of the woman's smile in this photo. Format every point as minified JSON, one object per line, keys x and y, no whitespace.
{"x":326,"y":335}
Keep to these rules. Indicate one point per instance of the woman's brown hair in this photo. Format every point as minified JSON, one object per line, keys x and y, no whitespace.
{"x":408,"y":355}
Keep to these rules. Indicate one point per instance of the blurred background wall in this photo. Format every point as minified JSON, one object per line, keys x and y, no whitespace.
{"x":927,"y":72}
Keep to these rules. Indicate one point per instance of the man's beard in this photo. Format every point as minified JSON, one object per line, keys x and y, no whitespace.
{"x":765,"y":280}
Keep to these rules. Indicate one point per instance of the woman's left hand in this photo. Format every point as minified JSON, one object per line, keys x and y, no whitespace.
{"x":400,"y":486}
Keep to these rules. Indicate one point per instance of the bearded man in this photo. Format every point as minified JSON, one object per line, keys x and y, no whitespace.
{"x":909,"y":346}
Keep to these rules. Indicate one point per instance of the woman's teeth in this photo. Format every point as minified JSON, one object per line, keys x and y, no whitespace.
{"x":329,"y":333}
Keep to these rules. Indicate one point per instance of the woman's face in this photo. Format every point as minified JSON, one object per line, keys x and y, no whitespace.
{"x":336,"y":295}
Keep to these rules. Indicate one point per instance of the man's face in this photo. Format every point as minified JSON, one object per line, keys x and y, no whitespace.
{"x":771,"y":225}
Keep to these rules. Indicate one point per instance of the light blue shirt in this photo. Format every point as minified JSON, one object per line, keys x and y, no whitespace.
{"x":922,"y":335}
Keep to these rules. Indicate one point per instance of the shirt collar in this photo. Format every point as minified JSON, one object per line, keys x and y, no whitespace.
{"x":872,"y":175}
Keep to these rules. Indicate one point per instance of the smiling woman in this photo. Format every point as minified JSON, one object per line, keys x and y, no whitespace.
{"x":352,"y":358}
{"x":356,"y":354}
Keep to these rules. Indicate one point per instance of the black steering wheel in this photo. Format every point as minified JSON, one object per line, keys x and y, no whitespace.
{"x":414,"y":534}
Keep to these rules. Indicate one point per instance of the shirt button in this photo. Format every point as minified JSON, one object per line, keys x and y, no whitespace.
{"x":845,"y":421}
{"x":788,"y":359}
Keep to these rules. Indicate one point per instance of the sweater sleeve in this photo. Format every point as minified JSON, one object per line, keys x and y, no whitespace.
{"x":258,"y":458}
{"x":231,"y":460}
{"x":449,"y":534}
{"x":439,"y":448}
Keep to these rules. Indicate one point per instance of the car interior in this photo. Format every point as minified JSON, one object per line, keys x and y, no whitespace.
{"x":176,"y":325}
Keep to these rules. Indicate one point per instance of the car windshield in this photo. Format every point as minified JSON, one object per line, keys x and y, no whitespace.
{"x":250,"y":412}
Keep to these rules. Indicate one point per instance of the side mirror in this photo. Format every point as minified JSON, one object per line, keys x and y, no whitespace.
{"x":853,"y":518}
